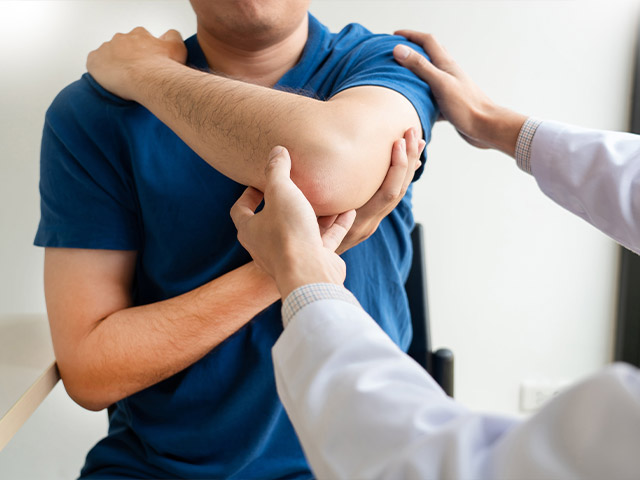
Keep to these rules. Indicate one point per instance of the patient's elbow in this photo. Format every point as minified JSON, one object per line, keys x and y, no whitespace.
{"x":322,"y":192}
{"x":83,"y":391}
{"x":332,"y":176}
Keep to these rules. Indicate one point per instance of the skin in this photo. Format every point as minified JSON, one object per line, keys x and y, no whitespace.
{"x":252,"y":41}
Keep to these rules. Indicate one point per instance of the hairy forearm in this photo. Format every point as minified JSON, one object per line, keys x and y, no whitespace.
{"x":233,"y":125}
{"x":137,"y":347}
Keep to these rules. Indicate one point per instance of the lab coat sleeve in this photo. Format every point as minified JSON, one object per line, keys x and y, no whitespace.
{"x":591,"y":431}
{"x":364,"y":409}
{"x":594,"y":174}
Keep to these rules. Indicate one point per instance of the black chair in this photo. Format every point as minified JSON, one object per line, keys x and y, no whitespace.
{"x":439,"y":364}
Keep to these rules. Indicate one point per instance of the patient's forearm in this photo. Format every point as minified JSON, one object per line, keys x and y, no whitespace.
{"x":340,"y":148}
{"x":104,"y":360}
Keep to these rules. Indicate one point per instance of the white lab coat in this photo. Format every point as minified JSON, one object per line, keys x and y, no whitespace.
{"x":363,"y":409}
{"x":594,"y":174}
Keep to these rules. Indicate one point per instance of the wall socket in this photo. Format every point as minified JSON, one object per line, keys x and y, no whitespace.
{"x":535,"y":393}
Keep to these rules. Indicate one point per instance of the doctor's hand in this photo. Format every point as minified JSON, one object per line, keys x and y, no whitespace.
{"x":477,"y":118}
{"x":118,"y":64}
{"x":284,"y":238}
{"x":405,"y":160}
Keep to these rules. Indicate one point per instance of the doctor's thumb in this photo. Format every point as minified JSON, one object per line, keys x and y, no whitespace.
{"x":409,"y":58}
{"x":279,"y":164}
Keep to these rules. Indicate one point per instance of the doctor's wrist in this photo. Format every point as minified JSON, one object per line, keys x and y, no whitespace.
{"x":304,"y":268}
{"x":499,"y":127}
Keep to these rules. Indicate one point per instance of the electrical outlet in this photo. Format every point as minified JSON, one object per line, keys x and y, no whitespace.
{"x":535,"y":393}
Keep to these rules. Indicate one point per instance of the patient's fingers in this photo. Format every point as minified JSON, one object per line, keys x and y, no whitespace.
{"x":390,"y":192}
{"x":415,"y":147}
{"x":171,"y":36}
{"x":391,"y":187}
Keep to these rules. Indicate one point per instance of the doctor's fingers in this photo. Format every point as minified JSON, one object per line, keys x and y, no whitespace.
{"x":325,"y":222}
{"x":436,"y":52}
{"x":333,"y":236}
{"x":423,"y":68}
{"x":278,"y":168}
{"x":245,"y":207}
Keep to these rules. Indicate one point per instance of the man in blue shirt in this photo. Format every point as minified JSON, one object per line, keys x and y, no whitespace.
{"x":153,"y":304}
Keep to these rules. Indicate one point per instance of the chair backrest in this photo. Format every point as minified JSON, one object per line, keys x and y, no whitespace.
{"x":416,"y":288}
{"x":438,"y":364}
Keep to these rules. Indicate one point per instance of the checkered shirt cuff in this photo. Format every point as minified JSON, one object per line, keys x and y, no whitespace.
{"x":523,"y":145}
{"x":303,"y":296}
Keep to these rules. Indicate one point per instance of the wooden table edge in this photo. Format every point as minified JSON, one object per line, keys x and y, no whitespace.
{"x":15,"y":417}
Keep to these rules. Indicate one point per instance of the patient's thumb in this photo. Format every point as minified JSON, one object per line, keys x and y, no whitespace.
{"x":171,"y":36}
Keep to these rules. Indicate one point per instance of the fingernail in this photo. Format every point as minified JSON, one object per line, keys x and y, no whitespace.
{"x":418,"y":165}
{"x":275,"y":151}
{"x":401,"y":52}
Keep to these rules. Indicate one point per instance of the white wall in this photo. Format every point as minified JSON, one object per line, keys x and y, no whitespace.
{"x":518,"y":288}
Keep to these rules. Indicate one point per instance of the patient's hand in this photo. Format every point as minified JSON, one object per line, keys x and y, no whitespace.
{"x":119,"y":64}
{"x":405,"y":160}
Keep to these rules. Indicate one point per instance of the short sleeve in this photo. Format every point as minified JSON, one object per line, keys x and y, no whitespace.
{"x":372,"y":64}
{"x":86,"y":187}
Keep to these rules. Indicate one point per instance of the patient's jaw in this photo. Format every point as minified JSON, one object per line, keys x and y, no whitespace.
{"x":253,"y":40}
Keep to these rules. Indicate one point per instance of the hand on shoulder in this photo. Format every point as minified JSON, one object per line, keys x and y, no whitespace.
{"x":120,"y":64}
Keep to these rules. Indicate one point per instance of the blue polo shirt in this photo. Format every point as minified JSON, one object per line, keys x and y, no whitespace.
{"x":114,"y":177}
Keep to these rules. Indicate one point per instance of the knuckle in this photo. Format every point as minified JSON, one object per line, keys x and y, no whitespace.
{"x":412,"y":58}
{"x":390,"y":196}
{"x":371,"y":229}
{"x":422,"y":61}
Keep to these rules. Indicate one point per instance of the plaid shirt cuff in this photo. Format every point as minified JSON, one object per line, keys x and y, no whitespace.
{"x":523,"y":145}
{"x":303,"y":296}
